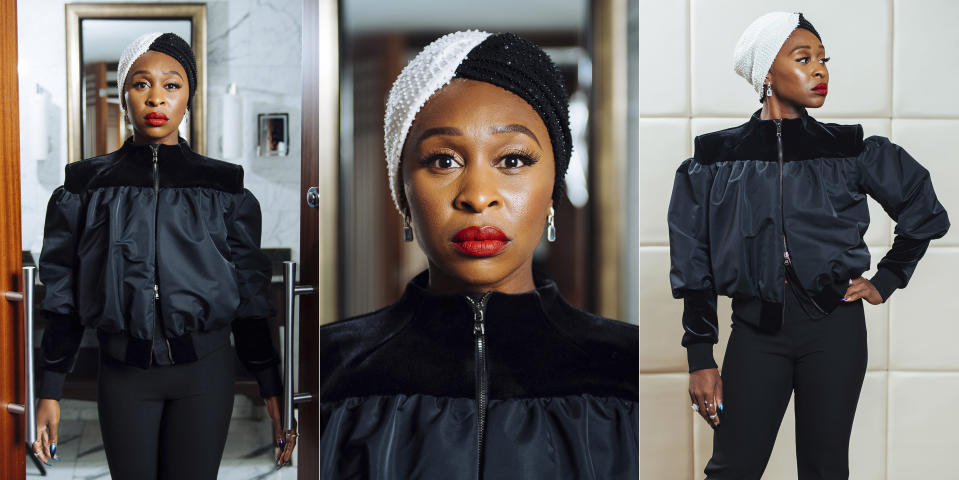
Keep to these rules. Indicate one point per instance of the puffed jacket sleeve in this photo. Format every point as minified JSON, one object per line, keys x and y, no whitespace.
{"x":251,"y":331}
{"x":61,"y":338}
{"x":690,"y":274}
{"x":904,"y":190}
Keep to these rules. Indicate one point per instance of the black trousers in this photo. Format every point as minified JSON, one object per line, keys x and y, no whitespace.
{"x":166,"y":422}
{"x":822,"y":360}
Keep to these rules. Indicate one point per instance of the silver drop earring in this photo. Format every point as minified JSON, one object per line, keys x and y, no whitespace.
{"x":769,"y":89}
{"x":407,"y":229}
{"x":551,"y":226}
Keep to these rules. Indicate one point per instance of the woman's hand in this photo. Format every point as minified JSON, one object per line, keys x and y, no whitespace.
{"x":283,"y":441}
{"x":706,"y":392}
{"x":48,"y":423}
{"x":862,"y":288}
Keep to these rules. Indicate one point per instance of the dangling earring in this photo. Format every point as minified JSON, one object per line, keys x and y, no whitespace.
{"x":769,"y":90}
{"x":551,"y":226}
{"x":407,"y":229}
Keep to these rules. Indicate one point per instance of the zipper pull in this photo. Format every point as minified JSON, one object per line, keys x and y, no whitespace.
{"x":787,"y":260}
{"x":779,"y":127}
{"x":478,"y":329}
{"x":156,"y":292}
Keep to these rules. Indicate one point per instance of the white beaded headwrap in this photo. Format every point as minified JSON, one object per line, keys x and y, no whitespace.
{"x":760,"y":43}
{"x":131,"y":54}
{"x":430,"y":71}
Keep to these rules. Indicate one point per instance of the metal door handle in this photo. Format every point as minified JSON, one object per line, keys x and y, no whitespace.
{"x":291,"y":290}
{"x":26,"y":298}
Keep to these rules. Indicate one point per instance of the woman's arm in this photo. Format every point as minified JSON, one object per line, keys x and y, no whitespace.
{"x":904,"y":190}
{"x":691,"y":274}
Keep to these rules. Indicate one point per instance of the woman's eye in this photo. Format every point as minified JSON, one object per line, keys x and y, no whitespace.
{"x":442,"y":161}
{"x":172,"y":86}
{"x":515,"y":161}
{"x":823,"y":61}
{"x":140,"y":84}
{"x":803,"y":60}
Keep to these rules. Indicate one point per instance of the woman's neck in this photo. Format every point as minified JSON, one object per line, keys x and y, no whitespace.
{"x":518,"y":281}
{"x":773,"y":108}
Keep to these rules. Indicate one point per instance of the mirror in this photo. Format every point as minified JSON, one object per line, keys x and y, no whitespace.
{"x":378,"y":39}
{"x":96,"y":35}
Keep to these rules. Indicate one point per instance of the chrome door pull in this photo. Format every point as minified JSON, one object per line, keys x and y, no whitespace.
{"x":26,"y":298}
{"x":313,"y":197}
{"x":291,"y":291}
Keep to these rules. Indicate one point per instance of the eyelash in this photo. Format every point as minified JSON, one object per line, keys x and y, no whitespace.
{"x":806,"y":60}
{"x":528,"y":157}
{"x":176,"y":86}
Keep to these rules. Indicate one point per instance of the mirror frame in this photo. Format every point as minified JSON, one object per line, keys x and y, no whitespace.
{"x":75,"y":12}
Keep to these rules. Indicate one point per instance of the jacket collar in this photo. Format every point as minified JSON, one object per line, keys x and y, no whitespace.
{"x":419,"y":299}
{"x":803,"y":138}
{"x":165,"y":153}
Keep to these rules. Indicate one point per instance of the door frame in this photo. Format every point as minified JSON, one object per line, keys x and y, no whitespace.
{"x":12,"y":380}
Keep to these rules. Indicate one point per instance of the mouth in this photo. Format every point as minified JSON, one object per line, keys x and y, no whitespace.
{"x":821,"y":89}
{"x":483,"y":241}
{"x":156,"y":119}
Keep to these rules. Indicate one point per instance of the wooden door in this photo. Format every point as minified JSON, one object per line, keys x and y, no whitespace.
{"x":12,"y":390}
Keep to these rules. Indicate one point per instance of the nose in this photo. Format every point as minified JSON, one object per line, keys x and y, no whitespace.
{"x":156,"y":97}
{"x":477,"y":189}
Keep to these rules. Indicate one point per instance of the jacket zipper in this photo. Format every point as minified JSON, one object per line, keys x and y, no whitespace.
{"x":482,"y":378}
{"x":156,"y":207}
{"x":787,"y":260}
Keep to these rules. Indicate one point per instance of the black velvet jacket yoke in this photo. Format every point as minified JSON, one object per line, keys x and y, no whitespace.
{"x":398,"y":390}
{"x":728,"y":217}
{"x":162,"y":259}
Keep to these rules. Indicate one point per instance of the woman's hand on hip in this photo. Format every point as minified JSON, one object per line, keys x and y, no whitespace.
{"x":862,"y":288}
{"x":284,"y":441}
{"x":706,"y":393}
{"x":48,"y":424}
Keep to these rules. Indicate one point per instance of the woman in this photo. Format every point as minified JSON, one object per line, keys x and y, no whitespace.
{"x":481,"y":369}
{"x":157,"y":248}
{"x":772,"y":213}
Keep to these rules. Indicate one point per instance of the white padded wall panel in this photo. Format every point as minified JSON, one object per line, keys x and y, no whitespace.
{"x":925,"y":61}
{"x":664,"y":54}
{"x":665,"y":148}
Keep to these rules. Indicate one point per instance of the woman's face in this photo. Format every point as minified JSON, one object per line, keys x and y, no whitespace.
{"x":799,"y":76}
{"x":156,"y":95}
{"x":478,"y":174}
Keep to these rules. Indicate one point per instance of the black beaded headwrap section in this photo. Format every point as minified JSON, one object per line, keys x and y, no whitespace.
{"x":804,"y":24}
{"x":176,"y":47}
{"x":519,"y":66}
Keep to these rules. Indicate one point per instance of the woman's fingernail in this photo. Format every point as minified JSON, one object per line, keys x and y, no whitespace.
{"x":845,"y":298}
{"x":53,"y":450}
{"x":281,"y":443}
{"x":720,"y":406}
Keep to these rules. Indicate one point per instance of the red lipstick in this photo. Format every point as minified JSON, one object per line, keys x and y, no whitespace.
{"x":156,"y":119}
{"x":820,"y":89}
{"x":483,"y":241}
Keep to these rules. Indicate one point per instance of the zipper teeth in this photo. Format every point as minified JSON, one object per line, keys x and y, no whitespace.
{"x":482,"y":382}
{"x":156,"y":208}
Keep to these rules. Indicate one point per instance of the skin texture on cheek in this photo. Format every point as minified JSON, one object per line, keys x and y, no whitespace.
{"x":156,"y":96}
{"x":478,"y":172}
{"x":798,"y":69}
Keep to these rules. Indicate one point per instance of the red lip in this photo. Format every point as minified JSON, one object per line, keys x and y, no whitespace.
{"x":155,"y":118}
{"x":483,"y":241}
{"x":821,"y":89}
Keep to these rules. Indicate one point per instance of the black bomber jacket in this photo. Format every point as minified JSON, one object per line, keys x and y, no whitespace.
{"x":157,"y":248}
{"x":772,"y":198}
{"x":488,"y":385}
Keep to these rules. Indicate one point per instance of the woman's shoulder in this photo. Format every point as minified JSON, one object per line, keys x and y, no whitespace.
{"x":598,"y":335}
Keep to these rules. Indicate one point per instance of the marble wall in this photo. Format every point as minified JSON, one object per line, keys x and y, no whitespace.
{"x":252,"y":43}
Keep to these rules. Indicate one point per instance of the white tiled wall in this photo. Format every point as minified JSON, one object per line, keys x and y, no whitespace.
{"x":893,"y":70}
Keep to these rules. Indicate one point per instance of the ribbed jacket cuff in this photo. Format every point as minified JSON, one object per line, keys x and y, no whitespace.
{"x":270,"y":382}
{"x":885,"y":282}
{"x":700,"y":356}
{"x":51,"y":385}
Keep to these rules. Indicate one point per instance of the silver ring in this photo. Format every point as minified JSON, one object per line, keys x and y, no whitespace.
{"x":712,"y":416}
{"x":695,"y":407}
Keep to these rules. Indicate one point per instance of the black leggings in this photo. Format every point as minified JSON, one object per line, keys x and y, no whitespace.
{"x":823,"y":360}
{"x":166,"y":422}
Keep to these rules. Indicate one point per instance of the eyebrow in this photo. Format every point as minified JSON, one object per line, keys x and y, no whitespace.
{"x":515,"y":128}
{"x":432,"y":132}
{"x":174,"y":72}
{"x":803,"y":46}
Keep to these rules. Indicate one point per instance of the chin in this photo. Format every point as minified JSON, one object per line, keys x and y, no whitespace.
{"x":816,"y":102}
{"x":479,"y":272}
